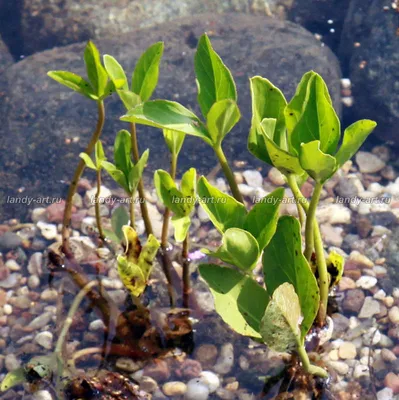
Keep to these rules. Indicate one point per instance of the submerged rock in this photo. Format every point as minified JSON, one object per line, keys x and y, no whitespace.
{"x":40,"y":154}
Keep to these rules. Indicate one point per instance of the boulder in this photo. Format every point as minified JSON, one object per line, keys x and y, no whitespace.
{"x":370,"y":46}
{"x":5,"y":57}
{"x":61,"y":22}
{"x":45,"y":125}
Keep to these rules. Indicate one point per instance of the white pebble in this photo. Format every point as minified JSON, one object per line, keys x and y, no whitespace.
{"x":360,"y":371}
{"x":12,"y":265}
{"x":196,"y":390}
{"x":33,"y":281}
{"x":44,"y":339}
{"x":369,"y":163}
{"x":42,"y":395}
{"x":48,"y":231}
{"x":211,"y":380}
{"x":7,"y":308}
{"x":97,"y":325}
{"x":253,"y":178}
{"x":225,"y":361}
{"x":385,"y":394}
{"x":366,"y":282}
{"x":393,"y":315}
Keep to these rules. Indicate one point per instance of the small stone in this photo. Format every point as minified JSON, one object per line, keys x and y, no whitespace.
{"x":9,"y":241}
{"x":196,"y":390}
{"x":206,"y":354}
{"x":39,"y":214}
{"x":90,"y":195}
{"x":97,"y":325}
{"x":246,"y":190}
{"x":157,"y":369}
{"x":7,"y":308}
{"x":385,"y":394}
{"x":366,"y":282}
{"x":341,"y":367}
{"x":35,"y":264}
{"x":23,"y":302}
{"x":361,"y":371}
{"x":40,"y":321}
{"x":126,"y":364}
{"x":393,"y":315}
{"x":49,"y":295}
{"x":347,"y":351}
{"x":225,"y":361}
{"x":392,"y":381}
{"x":276,"y":177}
{"x":253,"y":178}
{"x":386,"y":341}
{"x":369,"y":163}
{"x":211,"y":380}
{"x":48,"y":231}
{"x":334,"y":214}
{"x":42,"y":395}
{"x":44,"y":339}
{"x":380,"y":295}
{"x":12,"y":265}
{"x":360,"y":259}
{"x":354,"y":300}
{"x":174,"y":388}
{"x":388,"y":355}
{"x":10,"y":282}
{"x":11,"y":362}
{"x":346,"y":283}
{"x":33,"y":281}
{"x":148,"y":384}
{"x":370,"y":308}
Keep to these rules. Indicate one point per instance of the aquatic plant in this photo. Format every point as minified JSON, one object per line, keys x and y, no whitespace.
{"x":300,"y":139}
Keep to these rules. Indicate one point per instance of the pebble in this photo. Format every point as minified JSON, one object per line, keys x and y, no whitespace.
{"x":44,"y":339}
{"x":12,"y":265}
{"x":97,"y":325}
{"x":9,"y":241}
{"x":361,"y":371}
{"x":42,"y":395}
{"x":33,"y":281}
{"x":392,"y":381}
{"x":196,"y":390}
{"x":174,"y":388}
{"x":11,"y":362}
{"x":334,"y":214}
{"x":39,"y":214}
{"x":206,"y":354}
{"x":360,"y":259}
{"x":369,"y":163}
{"x":225,"y":361}
{"x":385,"y":394}
{"x":48,"y":231}
{"x":276,"y":177}
{"x":366,"y":282}
{"x":393,"y":315}
{"x":341,"y":367}
{"x":246,"y":190}
{"x":90,"y":195}
{"x":211,"y":380}
{"x":253,"y":178}
{"x":354,"y":300}
{"x":388,"y":355}
{"x":347,"y":351}
{"x":370,"y":307}
{"x":148,"y":384}
{"x":49,"y":295}
{"x":41,"y":321}
{"x":7,"y":308}
{"x":11,"y":281}
{"x":346,"y":283}
{"x":35,"y":264}
{"x":126,"y":364}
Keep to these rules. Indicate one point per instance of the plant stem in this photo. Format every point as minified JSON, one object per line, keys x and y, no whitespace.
{"x":78,"y":173}
{"x":97,"y":205}
{"x":186,"y":272}
{"x":317,"y":242}
{"x":308,"y":367}
{"x":166,"y":216}
{"x":228,"y":173}
{"x":311,"y":217}
{"x":131,"y":210}
{"x":143,"y":203}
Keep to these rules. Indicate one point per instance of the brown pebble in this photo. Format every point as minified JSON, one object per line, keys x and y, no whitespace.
{"x":392,"y":381}
{"x":206,"y":354}
{"x":158,"y":370}
{"x":354,"y":300}
{"x":189,"y":369}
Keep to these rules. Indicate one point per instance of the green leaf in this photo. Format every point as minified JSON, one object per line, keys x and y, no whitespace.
{"x":181,"y":225}
{"x":122,"y":149}
{"x":283,"y":262}
{"x":335,"y":267}
{"x":136,"y":171}
{"x":119,"y":218}
{"x":187,"y":185}
{"x":129,"y":99}
{"x":145,"y":76}
{"x":117,"y":175}
{"x":223,"y":210}
{"x":221,"y":119}
{"x":99,"y":154}
{"x":170,"y":196}
{"x":262,"y":220}
{"x":318,"y":120}
{"x":174,"y":140}
{"x":257,"y":139}
{"x":238,"y":248}
{"x":320,"y":166}
{"x":280,"y":325}
{"x":294,"y":108}
{"x":147,"y":255}
{"x":74,"y":82}
{"x":239,"y":300}
{"x":165,"y":114}
{"x":95,"y":71}
{"x":214,"y":79}
{"x":88,"y":161}
{"x":115,"y":73}
{"x":268,"y":102}
{"x":354,"y":137}
{"x":13,"y":378}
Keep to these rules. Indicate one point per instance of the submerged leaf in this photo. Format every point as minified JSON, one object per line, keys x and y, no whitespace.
{"x":13,"y":378}
{"x":280,"y":324}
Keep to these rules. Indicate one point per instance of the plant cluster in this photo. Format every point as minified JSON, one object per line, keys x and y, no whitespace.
{"x":300,"y":138}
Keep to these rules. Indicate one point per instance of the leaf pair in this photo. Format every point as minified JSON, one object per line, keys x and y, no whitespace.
{"x":99,"y":157}
{"x":301,"y":137}
{"x":217,"y":98}
{"x":134,"y":267}
{"x":124,"y":172}
{"x":144,"y":78}
{"x":98,"y":87}
{"x":180,"y":201}
{"x":225,"y":212}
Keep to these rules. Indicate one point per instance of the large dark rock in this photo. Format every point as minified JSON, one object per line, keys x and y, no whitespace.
{"x":5,"y":57}
{"x":322,"y":17}
{"x":61,"y":22}
{"x":370,"y":46}
{"x":39,"y":114}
